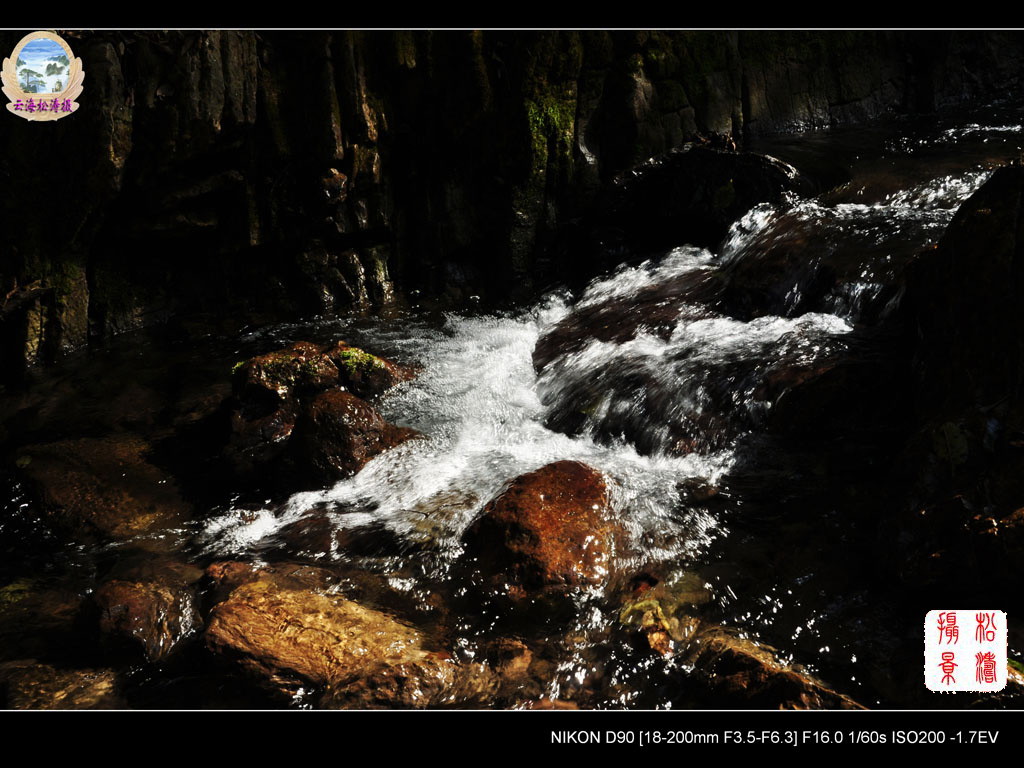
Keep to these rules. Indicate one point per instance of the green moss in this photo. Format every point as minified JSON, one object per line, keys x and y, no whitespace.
{"x":15,"y":592}
{"x":552,"y":122}
{"x":1014,"y":664}
{"x":632,"y":613}
{"x":238,"y":366}
{"x":310,"y":369}
{"x":353,"y":361}
{"x":23,"y":461}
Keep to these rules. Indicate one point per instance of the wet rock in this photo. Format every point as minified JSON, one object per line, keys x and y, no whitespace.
{"x":836,"y":396}
{"x":439,"y":515}
{"x":743,"y":671}
{"x":692,"y":195}
{"x":654,"y":309}
{"x":223,"y":577}
{"x":156,"y":610}
{"x":226,"y":576}
{"x":338,"y":433}
{"x":731,"y":666}
{"x":358,"y":657}
{"x":256,"y":443}
{"x":364,"y":374}
{"x":961,"y":298}
{"x":549,"y":531}
{"x":101,"y":486}
{"x":29,"y":685}
{"x":305,"y":383}
{"x":965,"y":330}
{"x":552,"y":704}
{"x":662,"y":609}
{"x":267,"y":381}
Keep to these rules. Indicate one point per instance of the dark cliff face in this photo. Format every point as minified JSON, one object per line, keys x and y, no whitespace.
{"x":255,"y":174}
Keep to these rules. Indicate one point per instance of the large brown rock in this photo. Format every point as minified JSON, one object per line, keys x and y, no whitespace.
{"x":356,"y":656}
{"x":549,"y":530}
{"x":101,"y":486}
{"x":155,"y":616}
{"x":338,"y":433}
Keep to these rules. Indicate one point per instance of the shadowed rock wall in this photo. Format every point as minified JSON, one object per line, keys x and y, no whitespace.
{"x":269,"y":174}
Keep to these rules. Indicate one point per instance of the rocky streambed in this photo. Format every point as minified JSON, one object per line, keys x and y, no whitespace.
{"x":734,"y":471}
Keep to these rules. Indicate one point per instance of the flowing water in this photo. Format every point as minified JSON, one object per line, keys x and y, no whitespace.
{"x":660,"y":374}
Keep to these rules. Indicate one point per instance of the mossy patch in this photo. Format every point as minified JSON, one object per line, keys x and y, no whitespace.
{"x":552,"y":122}
{"x":354,"y":361}
{"x":15,"y":592}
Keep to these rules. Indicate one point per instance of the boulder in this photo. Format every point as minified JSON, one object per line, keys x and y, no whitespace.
{"x":656,"y":308}
{"x":154,"y":615}
{"x":965,"y":333}
{"x":223,"y":577}
{"x":741,"y":670}
{"x":962,"y":303}
{"x":734,"y":669}
{"x":731,"y":666}
{"x":356,"y":656}
{"x":550,"y":530}
{"x":338,"y":433}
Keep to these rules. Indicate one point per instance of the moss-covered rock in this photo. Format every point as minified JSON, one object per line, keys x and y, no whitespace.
{"x":279,"y":376}
{"x":365,"y":374}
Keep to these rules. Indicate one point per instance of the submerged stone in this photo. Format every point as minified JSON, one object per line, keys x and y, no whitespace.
{"x":36,"y":619}
{"x":743,"y":671}
{"x":731,"y":666}
{"x":31,"y":685}
{"x":101,"y":486}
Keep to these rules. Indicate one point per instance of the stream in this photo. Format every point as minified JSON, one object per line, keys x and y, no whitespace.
{"x":660,"y":374}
